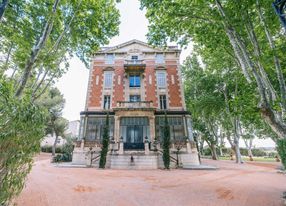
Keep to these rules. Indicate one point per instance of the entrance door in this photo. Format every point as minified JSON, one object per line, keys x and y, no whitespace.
{"x":134,"y":137}
{"x":133,"y":131}
{"x":134,"y":134}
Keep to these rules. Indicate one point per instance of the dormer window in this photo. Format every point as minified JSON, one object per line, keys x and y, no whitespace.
{"x":109,"y":59}
{"x":160,"y":59}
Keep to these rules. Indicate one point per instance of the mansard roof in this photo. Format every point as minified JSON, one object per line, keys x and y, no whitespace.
{"x":144,"y":47}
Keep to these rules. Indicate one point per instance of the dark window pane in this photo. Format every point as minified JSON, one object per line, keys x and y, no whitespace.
{"x":134,"y":80}
{"x":106,"y":104}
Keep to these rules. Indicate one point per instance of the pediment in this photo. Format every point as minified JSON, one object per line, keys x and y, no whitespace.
{"x":133,"y":46}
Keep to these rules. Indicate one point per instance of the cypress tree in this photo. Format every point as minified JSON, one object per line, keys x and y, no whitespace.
{"x":281,"y":148}
{"x":105,"y":143}
{"x":166,"y":144}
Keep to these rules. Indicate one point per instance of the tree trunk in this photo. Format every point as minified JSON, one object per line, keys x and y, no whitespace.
{"x":278,"y":126}
{"x":35,"y":52}
{"x":238,"y":158}
{"x":213,"y":151}
{"x":54,"y":145}
{"x":250,"y":155}
{"x":220,"y":151}
{"x":3,"y":6}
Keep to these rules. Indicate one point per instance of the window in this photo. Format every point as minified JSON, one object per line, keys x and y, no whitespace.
{"x":134,"y":57}
{"x":161,"y":79}
{"x":134,"y":98}
{"x":160,"y":59}
{"x":134,"y":129}
{"x":106,"y":103}
{"x":163,"y":102}
{"x":109,"y":59}
{"x":95,"y":126}
{"x":107,"y":79}
{"x":134,"y":80}
{"x":176,"y":125}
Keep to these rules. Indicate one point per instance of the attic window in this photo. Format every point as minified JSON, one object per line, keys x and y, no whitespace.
{"x":160,"y":59}
{"x":134,"y":57}
{"x":109,"y":59}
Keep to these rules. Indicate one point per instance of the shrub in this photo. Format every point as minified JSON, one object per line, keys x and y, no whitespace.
{"x":67,"y":150}
{"x":166,"y":144}
{"x":48,"y":149}
{"x":57,"y":158}
{"x":22,"y":127}
{"x":281,"y":148}
{"x":105,"y":143}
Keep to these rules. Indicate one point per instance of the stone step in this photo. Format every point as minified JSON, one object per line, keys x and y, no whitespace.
{"x":139,"y":162}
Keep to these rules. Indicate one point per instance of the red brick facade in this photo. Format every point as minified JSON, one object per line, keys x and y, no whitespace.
{"x":118,"y":83}
{"x":95,"y":91}
{"x":150,"y":89}
{"x":120,"y":80}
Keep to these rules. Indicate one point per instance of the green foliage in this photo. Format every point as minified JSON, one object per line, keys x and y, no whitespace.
{"x":220,"y":40}
{"x":67,"y":150}
{"x":54,"y":102}
{"x":48,"y":149}
{"x":105,"y":143}
{"x":21,"y":130}
{"x":166,"y":144}
{"x":64,"y":153}
{"x":281,"y":148}
{"x":75,"y":28}
{"x":244,"y":152}
{"x":57,"y":158}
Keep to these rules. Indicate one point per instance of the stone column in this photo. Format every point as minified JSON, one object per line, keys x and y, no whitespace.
{"x":152,"y":128}
{"x":121,"y":151}
{"x":146,"y":146}
{"x":116,"y":128}
{"x":189,"y":148}
{"x":82,"y":144}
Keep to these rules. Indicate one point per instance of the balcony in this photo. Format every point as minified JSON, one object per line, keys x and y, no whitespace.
{"x":134,"y":65}
{"x":140,"y":105}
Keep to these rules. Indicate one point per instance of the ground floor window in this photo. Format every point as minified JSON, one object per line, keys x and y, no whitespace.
{"x":134,"y":129}
{"x":176,"y":127}
{"x":95,"y":126}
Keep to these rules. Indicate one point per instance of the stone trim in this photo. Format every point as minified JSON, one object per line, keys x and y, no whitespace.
{"x":90,"y":79}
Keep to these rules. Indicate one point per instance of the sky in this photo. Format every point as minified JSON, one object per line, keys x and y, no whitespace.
{"x":134,"y":25}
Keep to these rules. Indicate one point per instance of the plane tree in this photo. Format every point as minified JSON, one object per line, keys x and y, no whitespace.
{"x":247,"y":34}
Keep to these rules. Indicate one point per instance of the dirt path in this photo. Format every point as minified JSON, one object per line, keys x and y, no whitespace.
{"x":247,"y":184}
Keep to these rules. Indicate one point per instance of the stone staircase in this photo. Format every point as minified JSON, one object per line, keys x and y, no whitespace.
{"x":134,"y":161}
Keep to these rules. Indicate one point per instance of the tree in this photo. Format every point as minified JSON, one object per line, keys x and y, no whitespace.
{"x":241,"y":33}
{"x":56,"y":125}
{"x":166,"y":144}
{"x":105,"y":143}
{"x":281,"y":148}
{"x":49,"y":32}
{"x":59,"y":126}
{"x":36,"y":40}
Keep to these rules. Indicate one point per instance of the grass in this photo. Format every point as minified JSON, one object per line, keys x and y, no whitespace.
{"x":256,"y":159}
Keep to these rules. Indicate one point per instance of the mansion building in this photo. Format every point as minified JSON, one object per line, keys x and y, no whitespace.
{"x":137,"y":86}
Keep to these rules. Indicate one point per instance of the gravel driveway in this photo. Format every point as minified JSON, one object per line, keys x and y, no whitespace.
{"x":247,"y":184}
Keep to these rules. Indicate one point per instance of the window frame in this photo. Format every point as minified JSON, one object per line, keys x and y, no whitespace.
{"x":137,"y":99}
{"x":109,"y":59}
{"x":106,"y":102}
{"x":160,"y":58}
{"x":163,"y":102}
{"x":108,"y":79}
{"x":133,"y":84}
{"x":161,"y":80}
